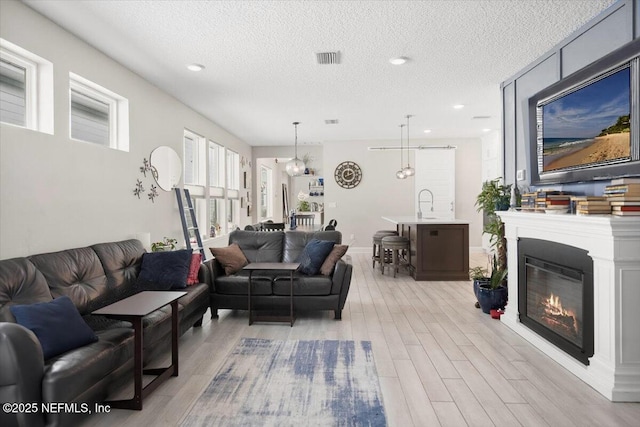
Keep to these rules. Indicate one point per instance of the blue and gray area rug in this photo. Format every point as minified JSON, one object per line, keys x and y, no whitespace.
{"x":293,"y":383}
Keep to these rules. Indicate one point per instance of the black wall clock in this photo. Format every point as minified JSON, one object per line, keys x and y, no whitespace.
{"x":348,"y":174}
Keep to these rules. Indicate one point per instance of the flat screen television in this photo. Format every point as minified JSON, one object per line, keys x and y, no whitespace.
{"x":588,"y":131}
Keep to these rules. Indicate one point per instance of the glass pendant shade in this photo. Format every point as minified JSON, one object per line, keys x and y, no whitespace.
{"x":401,"y":174}
{"x":408,"y":170}
{"x":295,"y":166}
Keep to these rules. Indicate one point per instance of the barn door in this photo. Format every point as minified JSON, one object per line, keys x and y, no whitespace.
{"x":436,"y":171}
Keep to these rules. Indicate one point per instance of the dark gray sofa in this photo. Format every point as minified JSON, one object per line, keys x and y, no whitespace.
{"x":91,"y":277}
{"x":271,"y":290}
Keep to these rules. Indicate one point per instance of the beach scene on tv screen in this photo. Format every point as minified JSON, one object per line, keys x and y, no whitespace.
{"x":589,"y":126}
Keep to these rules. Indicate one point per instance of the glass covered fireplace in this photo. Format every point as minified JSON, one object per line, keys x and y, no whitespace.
{"x":555,"y":295}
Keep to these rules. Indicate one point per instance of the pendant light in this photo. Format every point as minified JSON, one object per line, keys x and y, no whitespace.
{"x":400,"y":174}
{"x":408,"y":171}
{"x":295,"y":166}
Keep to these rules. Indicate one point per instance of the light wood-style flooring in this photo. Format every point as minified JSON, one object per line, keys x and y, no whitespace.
{"x":441,"y":361}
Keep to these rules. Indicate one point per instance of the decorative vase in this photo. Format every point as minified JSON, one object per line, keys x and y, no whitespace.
{"x":492,"y":299}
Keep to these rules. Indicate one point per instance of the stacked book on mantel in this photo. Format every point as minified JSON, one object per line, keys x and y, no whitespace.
{"x":553,"y":201}
{"x":624,"y":196}
{"x":590,"y":205}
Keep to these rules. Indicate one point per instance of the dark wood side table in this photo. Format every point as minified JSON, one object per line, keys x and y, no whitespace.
{"x":271,"y":266}
{"x":133,"y":309}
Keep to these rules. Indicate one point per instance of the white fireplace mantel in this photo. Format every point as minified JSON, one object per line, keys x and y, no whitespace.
{"x":614,"y":245}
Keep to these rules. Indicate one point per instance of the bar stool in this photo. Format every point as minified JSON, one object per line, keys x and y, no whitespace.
{"x":394,"y":245}
{"x":377,"y":240}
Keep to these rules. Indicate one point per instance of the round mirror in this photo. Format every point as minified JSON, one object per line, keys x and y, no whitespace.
{"x":167,"y":167}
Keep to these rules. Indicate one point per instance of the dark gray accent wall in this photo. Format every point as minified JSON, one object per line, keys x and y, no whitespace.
{"x":609,"y":33}
{"x":539,"y":77}
{"x":509,"y":128}
{"x":614,"y":27}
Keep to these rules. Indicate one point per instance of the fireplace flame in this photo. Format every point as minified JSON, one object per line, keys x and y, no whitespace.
{"x":553,"y":308}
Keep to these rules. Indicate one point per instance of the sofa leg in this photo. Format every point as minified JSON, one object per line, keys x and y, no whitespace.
{"x":214,"y":313}
{"x":338,"y":315}
{"x":198,"y":323}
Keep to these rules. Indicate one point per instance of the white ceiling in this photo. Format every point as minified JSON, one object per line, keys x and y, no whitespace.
{"x":261,"y":73}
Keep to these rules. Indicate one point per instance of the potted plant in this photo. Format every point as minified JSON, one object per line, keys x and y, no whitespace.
{"x":479,"y":275}
{"x":492,"y":293}
{"x":303,"y":206}
{"x":494,"y":197}
{"x":166,"y":244}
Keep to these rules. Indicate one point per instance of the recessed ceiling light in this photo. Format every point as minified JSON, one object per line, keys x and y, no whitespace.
{"x":195,"y":67}
{"x":399,"y":60}
{"x":427,"y":131}
{"x":486,"y":130}
{"x":458,"y":106}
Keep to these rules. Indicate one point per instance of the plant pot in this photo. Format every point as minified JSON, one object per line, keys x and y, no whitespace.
{"x":492,"y":299}
{"x":477,"y":283}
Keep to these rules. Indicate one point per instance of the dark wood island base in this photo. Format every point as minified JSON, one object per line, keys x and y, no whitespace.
{"x":439,"y":249}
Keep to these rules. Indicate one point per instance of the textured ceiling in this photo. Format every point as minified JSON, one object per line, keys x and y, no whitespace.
{"x":261,"y":73}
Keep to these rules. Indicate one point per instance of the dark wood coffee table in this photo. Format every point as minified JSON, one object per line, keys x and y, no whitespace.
{"x":272,"y":266}
{"x":133,"y":309}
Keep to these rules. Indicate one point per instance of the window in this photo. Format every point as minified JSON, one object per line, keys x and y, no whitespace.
{"x":212,"y":175}
{"x":13,"y":93}
{"x":216,"y":165}
{"x":233,"y":170}
{"x":26,"y":89}
{"x":215,"y":217}
{"x":266,"y":192}
{"x":97,"y":115}
{"x":233,"y":215}
{"x":233,"y":187}
{"x":193,"y":159}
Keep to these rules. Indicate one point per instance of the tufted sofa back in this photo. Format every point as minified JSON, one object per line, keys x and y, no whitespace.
{"x":121,"y":262}
{"x":20,"y":283}
{"x":92,"y":276}
{"x":277,"y":246}
{"x":258,"y":246}
{"x":295,"y":241}
{"x":76,"y":273}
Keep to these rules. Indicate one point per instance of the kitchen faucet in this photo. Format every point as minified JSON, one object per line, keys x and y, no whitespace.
{"x":420,"y":201}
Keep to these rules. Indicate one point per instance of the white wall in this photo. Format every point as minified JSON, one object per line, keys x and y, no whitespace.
{"x":56,"y":193}
{"x":492,"y":167}
{"x":359,"y":210}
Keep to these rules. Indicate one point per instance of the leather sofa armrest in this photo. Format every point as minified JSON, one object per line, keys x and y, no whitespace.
{"x":213,"y":271}
{"x":21,"y":374}
{"x":342,"y":281}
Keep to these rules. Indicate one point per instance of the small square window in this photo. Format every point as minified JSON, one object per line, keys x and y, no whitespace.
{"x":13,"y":93}
{"x":26,"y":89}
{"x":97,"y":115}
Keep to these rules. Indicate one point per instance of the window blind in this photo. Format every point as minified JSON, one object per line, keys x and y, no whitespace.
{"x":190,"y":166}
{"x":13,"y":106}
{"x":89,"y":119}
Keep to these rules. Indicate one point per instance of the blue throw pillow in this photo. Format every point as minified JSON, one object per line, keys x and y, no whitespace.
{"x":57,"y":324}
{"x":313,"y":255}
{"x":161,"y":271}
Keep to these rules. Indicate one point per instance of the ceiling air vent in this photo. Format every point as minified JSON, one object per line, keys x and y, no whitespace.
{"x":328,"y":58}
{"x":331,"y":122}
{"x":481,"y":117}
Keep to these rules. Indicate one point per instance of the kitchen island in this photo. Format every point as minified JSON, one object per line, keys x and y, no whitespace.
{"x":439,"y":246}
